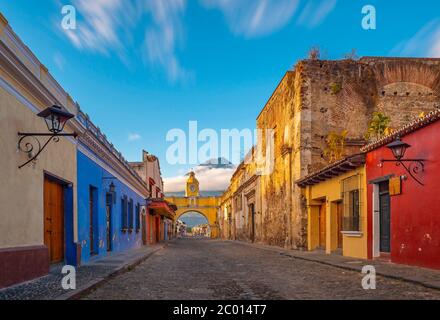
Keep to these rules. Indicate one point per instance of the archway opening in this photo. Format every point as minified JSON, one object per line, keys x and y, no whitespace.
{"x":195,"y":225}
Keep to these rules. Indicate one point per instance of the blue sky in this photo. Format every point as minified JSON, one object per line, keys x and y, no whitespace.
{"x":142,"y":67}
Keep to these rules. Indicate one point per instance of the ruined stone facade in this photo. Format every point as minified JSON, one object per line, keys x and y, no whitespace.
{"x":239,"y":214}
{"x":319,"y":97}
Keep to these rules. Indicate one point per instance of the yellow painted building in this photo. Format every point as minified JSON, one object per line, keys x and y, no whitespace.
{"x":29,"y":193}
{"x":193,"y":202}
{"x":336,"y":207}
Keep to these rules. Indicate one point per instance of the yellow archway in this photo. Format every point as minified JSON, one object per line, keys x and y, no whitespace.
{"x":206,"y":206}
{"x":192,"y":201}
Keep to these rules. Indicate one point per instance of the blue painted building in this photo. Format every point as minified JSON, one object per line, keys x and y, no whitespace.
{"x":111,"y":198}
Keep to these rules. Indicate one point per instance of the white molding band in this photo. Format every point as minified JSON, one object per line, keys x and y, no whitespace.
{"x":106,"y":167}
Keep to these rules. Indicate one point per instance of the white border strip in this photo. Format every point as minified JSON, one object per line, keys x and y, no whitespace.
{"x":106,"y":167}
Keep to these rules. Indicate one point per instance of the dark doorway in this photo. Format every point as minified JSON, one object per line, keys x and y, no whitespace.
{"x":109,"y":227}
{"x":385,"y":217}
{"x":93,"y":213}
{"x":157,"y":233}
{"x":252,"y":220}
{"x":54,"y":219}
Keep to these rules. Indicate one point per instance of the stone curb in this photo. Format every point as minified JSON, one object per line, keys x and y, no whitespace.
{"x":93,"y":284}
{"x":291,"y":253}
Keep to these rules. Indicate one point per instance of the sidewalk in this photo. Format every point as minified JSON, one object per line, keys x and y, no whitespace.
{"x":425,"y":277}
{"x":87,"y":277}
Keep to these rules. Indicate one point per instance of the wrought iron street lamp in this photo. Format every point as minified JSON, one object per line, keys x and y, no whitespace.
{"x":398,"y":148}
{"x":111,"y":188}
{"x":56,"y":119}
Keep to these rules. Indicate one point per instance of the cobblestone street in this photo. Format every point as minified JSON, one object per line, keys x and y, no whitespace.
{"x":209,"y":269}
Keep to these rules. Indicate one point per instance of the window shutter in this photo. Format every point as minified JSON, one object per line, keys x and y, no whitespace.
{"x":130,"y":215}
{"x":124,"y":212}
{"x":138,"y":217}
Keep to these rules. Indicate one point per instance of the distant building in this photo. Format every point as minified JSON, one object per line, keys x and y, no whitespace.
{"x":160,"y":213}
{"x":239,"y":213}
{"x":181,"y":228}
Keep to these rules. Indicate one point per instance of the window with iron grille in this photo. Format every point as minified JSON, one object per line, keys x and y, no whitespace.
{"x":124,"y":213}
{"x":351,"y":195}
{"x":138,"y":217}
{"x":130,"y":215}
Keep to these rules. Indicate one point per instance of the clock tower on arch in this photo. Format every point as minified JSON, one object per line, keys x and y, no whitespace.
{"x":192,"y":186}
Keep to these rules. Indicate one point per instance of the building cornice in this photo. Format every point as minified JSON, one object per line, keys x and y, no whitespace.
{"x":333,"y":170}
{"x":3,"y":21}
{"x":246,"y":184}
{"x":98,"y":147}
{"x":18,"y":71}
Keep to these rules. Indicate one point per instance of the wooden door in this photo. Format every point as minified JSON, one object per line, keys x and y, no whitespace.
{"x":340,"y":213}
{"x":252,"y":216}
{"x":157,"y":233}
{"x":54,"y":220}
{"x":322,"y":226}
{"x":385,"y":218}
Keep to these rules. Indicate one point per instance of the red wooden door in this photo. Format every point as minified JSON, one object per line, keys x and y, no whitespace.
{"x":340,"y":212}
{"x":54,"y":220}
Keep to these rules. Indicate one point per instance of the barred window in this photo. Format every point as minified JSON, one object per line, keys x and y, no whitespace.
{"x":124,"y":213}
{"x":130,"y":215}
{"x":351,"y":195}
{"x":138,"y":217}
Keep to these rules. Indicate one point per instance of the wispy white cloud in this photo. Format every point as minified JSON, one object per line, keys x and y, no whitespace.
{"x":315,"y":12}
{"x":210,"y":179}
{"x":254,"y":18}
{"x":134,"y":137}
{"x":161,"y":37}
{"x":112,"y":26}
{"x":108,"y":26}
{"x":98,"y":28}
{"x":425,"y":43}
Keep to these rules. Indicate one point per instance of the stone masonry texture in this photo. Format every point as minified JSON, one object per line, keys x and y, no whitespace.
{"x":319,"y":97}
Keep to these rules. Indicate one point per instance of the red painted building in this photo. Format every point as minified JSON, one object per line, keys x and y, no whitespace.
{"x":159,"y":211}
{"x":403,"y":214}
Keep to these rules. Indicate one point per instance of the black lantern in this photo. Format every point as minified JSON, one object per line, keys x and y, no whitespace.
{"x":398,"y":148}
{"x":414,"y":167}
{"x":55,"y":118}
{"x":112,"y":188}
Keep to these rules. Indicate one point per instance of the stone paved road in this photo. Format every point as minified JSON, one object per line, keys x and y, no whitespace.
{"x":208,"y":269}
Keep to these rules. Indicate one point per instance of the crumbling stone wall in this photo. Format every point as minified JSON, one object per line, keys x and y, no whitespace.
{"x":319,"y":97}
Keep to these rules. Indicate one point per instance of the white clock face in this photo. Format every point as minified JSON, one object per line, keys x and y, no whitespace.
{"x":192,"y":188}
